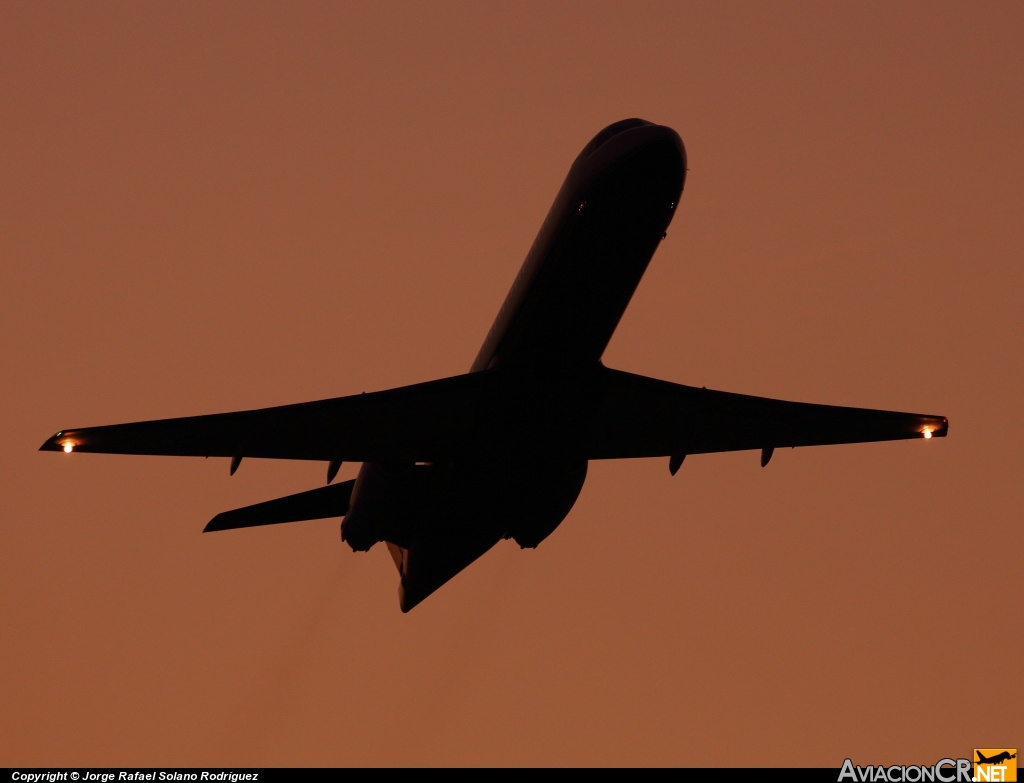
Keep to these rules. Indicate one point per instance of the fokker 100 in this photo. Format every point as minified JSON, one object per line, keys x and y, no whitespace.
{"x":450,"y":467}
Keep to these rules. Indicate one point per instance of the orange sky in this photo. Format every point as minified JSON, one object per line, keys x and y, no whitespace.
{"x":211,"y":207}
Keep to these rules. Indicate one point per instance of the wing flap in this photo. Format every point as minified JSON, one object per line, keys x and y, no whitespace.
{"x":638,"y":416}
{"x":425,"y":422}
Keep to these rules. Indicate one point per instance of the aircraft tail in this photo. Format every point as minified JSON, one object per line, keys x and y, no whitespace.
{"x":398,"y":554}
{"x":429,"y":564}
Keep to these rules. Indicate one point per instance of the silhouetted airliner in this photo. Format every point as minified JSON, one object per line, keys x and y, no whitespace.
{"x":999,"y":758}
{"x":451,"y":467}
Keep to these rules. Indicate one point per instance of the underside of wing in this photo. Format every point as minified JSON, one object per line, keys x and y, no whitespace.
{"x":638,"y":416}
{"x":425,"y":422}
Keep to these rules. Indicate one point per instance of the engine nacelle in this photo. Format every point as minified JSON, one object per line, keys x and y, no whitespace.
{"x":545,"y":501}
{"x":384,"y":504}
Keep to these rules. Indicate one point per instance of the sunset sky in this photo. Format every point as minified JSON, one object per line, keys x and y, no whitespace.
{"x":219,"y":206}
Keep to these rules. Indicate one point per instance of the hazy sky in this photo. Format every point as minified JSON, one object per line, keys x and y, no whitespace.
{"x":211,"y":207}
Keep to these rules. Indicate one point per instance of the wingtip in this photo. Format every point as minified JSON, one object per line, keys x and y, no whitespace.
{"x":214,"y":524}
{"x":935,"y":427}
{"x":52,"y":443}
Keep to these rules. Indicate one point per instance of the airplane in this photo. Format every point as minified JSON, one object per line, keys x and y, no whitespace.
{"x":451,"y":467}
{"x":999,"y":758}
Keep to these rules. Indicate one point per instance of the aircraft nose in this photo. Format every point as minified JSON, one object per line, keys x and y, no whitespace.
{"x":621,"y":139}
{"x":611,"y":131}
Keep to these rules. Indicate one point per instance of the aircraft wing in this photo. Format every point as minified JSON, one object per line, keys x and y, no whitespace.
{"x":425,"y":422}
{"x":636,"y":416}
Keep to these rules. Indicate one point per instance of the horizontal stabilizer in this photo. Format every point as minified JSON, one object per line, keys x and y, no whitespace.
{"x":320,"y":503}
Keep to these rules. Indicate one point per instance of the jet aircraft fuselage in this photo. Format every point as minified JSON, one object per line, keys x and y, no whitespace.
{"x":520,"y":470}
{"x":450,"y":467}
